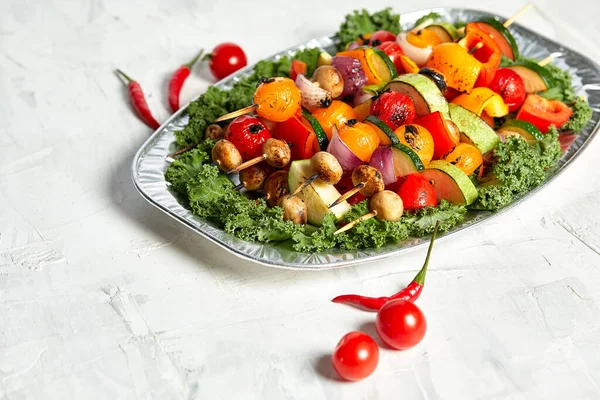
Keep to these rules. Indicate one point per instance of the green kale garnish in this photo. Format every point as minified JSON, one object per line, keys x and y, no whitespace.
{"x":216,"y":102}
{"x":187,"y":166}
{"x":361,"y":22}
{"x":432,"y":17}
{"x":212,"y":197}
{"x":373,"y":233}
{"x":582,"y":114}
{"x":519,"y":166}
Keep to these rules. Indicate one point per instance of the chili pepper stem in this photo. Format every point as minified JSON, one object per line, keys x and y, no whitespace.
{"x":122,"y":75}
{"x":195,"y":59}
{"x":420,"y":278}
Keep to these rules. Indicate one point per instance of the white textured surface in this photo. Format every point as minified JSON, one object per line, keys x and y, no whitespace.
{"x":102,"y":296}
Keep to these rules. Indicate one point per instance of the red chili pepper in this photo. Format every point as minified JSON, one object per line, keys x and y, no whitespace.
{"x":409,"y":293}
{"x":136,"y":95}
{"x":178,"y":79}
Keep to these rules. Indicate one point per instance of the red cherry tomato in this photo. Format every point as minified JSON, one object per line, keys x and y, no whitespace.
{"x":247,"y":134}
{"x":394,"y":52}
{"x":400,"y":324}
{"x":225,"y":59}
{"x":356,"y":356}
{"x":417,"y":192}
{"x":394,"y":109}
{"x":508,"y":84}
{"x":379,"y":37}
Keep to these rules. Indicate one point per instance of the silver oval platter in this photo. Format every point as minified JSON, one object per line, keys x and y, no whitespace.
{"x":150,"y":163}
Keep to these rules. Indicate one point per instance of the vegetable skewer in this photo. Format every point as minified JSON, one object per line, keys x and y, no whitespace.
{"x":276,"y":152}
{"x":385,"y":205}
{"x":327,"y":170}
{"x":367,"y":180}
{"x":275,"y":99}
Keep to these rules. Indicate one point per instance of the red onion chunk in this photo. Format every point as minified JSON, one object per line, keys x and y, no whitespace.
{"x":361,"y":96}
{"x":312,"y":95}
{"x":352,"y":73}
{"x":353,"y":45}
{"x":383,"y":160}
{"x":347,"y":159}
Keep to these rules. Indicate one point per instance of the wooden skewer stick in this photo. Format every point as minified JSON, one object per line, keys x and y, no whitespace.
{"x":241,"y":111}
{"x":348,"y":194}
{"x":512,"y":19}
{"x":546,"y":61}
{"x":303,"y":186}
{"x":247,"y":164}
{"x":181,"y":151}
{"x":352,"y":224}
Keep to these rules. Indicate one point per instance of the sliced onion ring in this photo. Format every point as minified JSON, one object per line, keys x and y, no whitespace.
{"x":347,"y":159}
{"x":417,"y":54}
{"x":312,"y":95}
{"x":383,"y":160}
{"x":352,"y":73}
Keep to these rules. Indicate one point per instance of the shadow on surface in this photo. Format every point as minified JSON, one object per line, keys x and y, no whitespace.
{"x":138,"y":211}
{"x":325,"y":369}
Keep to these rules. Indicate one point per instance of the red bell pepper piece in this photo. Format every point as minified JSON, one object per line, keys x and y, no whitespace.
{"x":443,"y":139}
{"x":542,"y":113}
{"x":301,"y":136}
{"x":298,"y":67}
{"x":485,"y":49}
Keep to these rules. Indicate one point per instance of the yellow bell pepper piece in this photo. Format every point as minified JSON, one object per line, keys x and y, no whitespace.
{"x":482,"y":100}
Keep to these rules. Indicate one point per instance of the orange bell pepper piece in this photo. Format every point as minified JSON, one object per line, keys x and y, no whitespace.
{"x":460,"y":69}
{"x":485,"y":49}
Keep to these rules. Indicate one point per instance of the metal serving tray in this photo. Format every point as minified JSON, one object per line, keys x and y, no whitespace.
{"x":150,"y":163}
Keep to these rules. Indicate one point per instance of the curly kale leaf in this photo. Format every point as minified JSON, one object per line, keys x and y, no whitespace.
{"x":422,"y":222}
{"x":361,"y":22}
{"x":186,"y":167}
{"x":519,"y":166}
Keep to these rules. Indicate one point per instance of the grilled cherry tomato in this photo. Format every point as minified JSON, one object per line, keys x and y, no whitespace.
{"x":356,"y":356}
{"x":418,"y":139}
{"x":360,"y":138}
{"x":542,"y":113}
{"x":380,"y":37}
{"x":508,"y":84}
{"x":277,"y":99}
{"x":337,"y":114}
{"x":394,"y":53}
{"x":416,"y":192}
{"x":394,"y":108}
{"x":248,"y":134}
{"x":401,"y":324}
{"x":225,"y":59}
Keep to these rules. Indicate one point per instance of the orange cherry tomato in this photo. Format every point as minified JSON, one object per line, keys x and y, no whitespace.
{"x":466,"y":157}
{"x":360,"y":138}
{"x":418,"y":139}
{"x":336,"y":114}
{"x":278,"y":99}
{"x":423,"y":38}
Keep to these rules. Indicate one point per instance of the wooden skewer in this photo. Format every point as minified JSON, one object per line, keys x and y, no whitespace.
{"x":352,"y":224}
{"x":241,"y":111}
{"x":181,"y":151}
{"x":348,"y":194}
{"x":303,"y":186}
{"x":512,"y":19}
{"x":247,"y":164}
{"x":546,"y":61}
